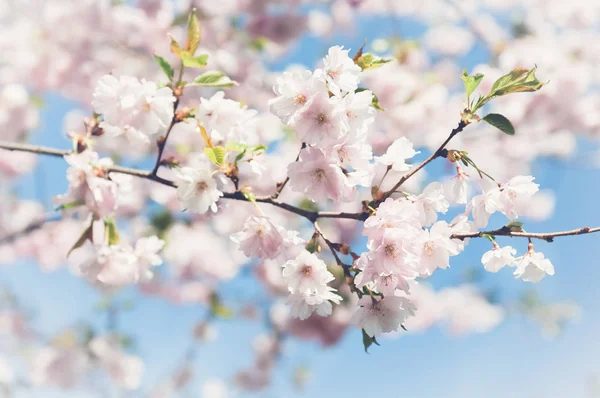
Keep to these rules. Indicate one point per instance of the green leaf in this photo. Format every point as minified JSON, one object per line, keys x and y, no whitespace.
{"x":370,"y":61}
{"x":175,"y":47}
{"x":216,"y":154}
{"x":193,"y":33}
{"x":514,"y":226}
{"x":236,"y":146}
{"x":519,"y":80}
{"x":161,"y":222}
{"x":214,"y":79}
{"x":471,"y":82}
{"x":193,"y":62}
{"x":165,"y":66}
{"x":88,"y":234}
{"x":71,"y":205}
{"x":368,"y":341}
{"x":500,"y":122}
{"x":110,"y":229}
{"x":218,"y":309}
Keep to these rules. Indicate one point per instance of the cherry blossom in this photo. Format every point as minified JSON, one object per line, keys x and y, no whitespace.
{"x":339,"y":71}
{"x":138,"y":109}
{"x":533,"y":266}
{"x":295,"y":90}
{"x":397,"y":154}
{"x":498,"y":257}
{"x":197,"y":190}
{"x":377,"y":316}
{"x":259,"y":238}
{"x":316,"y":176}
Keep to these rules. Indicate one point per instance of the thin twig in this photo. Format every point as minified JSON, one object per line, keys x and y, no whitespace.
{"x":547,"y":236}
{"x":434,"y":155}
{"x":162,"y":143}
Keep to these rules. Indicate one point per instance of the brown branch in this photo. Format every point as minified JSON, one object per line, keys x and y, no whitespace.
{"x":333,"y":249}
{"x":548,"y":236}
{"x":310,"y":215}
{"x":162,"y":141}
{"x":12,"y":236}
{"x":439,"y":152}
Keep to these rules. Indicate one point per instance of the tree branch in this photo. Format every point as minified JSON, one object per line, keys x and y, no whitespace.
{"x":547,"y":236}
{"x":436,"y":154}
{"x":162,"y":142}
{"x":310,"y":215}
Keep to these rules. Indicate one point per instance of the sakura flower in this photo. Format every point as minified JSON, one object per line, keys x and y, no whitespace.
{"x":89,"y":185}
{"x":459,"y":187}
{"x":303,"y":304}
{"x":397,"y":154}
{"x":118,"y":265}
{"x":495,"y":259}
{"x":431,"y":202}
{"x":515,"y":195}
{"x":533,"y":267}
{"x":225,"y":119}
{"x":437,"y":248}
{"x":306,"y":272}
{"x":125,"y":369}
{"x":396,"y":253}
{"x":321,"y":123}
{"x":382,"y":316}
{"x":339,"y":71}
{"x":392,"y":213}
{"x":138,"y":109}
{"x":382,"y":282}
{"x":259,"y":238}
{"x":359,"y":112}
{"x":197,"y":190}
{"x":62,"y":367}
{"x":318,"y":178}
{"x":295,"y":90}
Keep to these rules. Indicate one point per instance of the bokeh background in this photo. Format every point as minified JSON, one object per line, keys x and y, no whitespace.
{"x":522,"y":357}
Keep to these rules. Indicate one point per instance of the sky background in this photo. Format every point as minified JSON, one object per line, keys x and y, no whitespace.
{"x":511,"y":361}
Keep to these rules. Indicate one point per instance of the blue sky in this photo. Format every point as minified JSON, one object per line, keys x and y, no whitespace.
{"x":513,"y":360}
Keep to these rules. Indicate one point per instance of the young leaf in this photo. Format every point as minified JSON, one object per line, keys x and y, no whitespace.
{"x":175,"y":47}
{"x":165,"y":66}
{"x":514,"y":226}
{"x":217,"y":308}
{"x":205,"y":136}
{"x":110,"y":229}
{"x":500,"y":122}
{"x":216,"y":154}
{"x":193,"y":62}
{"x":369,"y":61}
{"x":471,"y":82}
{"x":213,"y":79}
{"x":193,"y":34}
{"x":368,"y":341}
{"x":236,"y":146}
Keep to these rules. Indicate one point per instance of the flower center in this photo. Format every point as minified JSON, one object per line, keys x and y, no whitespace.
{"x":333,"y":73}
{"x":201,"y":186}
{"x":512,"y":194}
{"x":428,"y":248}
{"x":147,"y":106}
{"x":391,"y":250}
{"x":319,"y":174}
{"x":306,"y":270}
{"x":300,"y":99}
{"x":321,"y":118}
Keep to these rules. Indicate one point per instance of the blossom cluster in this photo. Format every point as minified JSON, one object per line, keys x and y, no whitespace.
{"x":331,"y":116}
